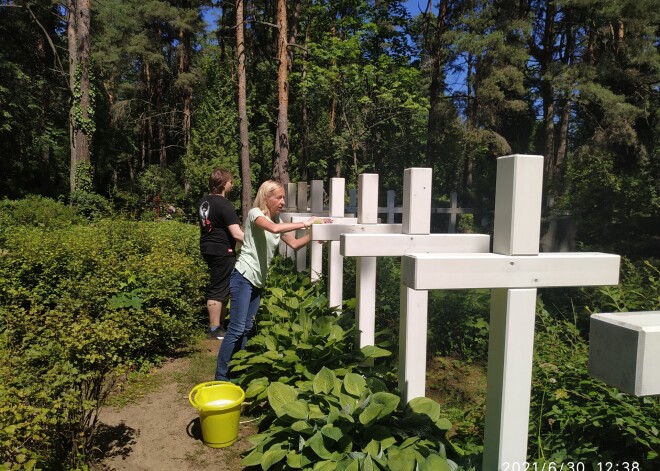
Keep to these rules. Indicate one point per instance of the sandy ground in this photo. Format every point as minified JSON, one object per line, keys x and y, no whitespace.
{"x":162,"y":432}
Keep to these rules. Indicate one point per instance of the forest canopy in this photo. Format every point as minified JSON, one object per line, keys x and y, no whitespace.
{"x":135,"y":102}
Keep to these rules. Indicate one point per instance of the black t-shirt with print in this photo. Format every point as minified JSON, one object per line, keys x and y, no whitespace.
{"x":215,"y":213}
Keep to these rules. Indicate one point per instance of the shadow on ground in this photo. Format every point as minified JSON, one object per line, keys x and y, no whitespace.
{"x":115,"y":440}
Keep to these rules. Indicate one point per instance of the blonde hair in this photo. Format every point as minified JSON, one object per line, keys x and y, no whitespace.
{"x":265,"y":190}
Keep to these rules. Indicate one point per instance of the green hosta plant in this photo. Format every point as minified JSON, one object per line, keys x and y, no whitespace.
{"x":298,"y":335}
{"x":348,"y":423}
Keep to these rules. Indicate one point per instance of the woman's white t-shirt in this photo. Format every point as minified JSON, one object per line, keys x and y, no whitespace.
{"x":258,"y":250}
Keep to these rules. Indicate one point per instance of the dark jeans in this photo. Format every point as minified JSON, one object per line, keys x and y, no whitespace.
{"x":244,"y":303}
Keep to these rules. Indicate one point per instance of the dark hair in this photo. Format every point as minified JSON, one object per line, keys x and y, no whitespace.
{"x":218,"y":180}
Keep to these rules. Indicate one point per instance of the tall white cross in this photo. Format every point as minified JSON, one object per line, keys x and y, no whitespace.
{"x":414,"y":236}
{"x":367,"y":222}
{"x":514,"y":271}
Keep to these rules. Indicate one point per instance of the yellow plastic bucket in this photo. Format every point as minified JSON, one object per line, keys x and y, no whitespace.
{"x":219,"y":406}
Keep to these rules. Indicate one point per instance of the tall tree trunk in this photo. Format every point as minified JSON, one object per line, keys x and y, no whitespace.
{"x":561,"y":148}
{"x":185,"y":51}
{"x":437,"y":86}
{"x":244,"y":150}
{"x":305,"y":117}
{"x":547,"y":90}
{"x":80,"y":118}
{"x":281,"y":167}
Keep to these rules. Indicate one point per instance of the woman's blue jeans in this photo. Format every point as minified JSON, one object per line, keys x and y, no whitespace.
{"x":245,"y":299}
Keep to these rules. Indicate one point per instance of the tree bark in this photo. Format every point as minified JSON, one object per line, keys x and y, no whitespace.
{"x":281,"y":167}
{"x":436,"y":88}
{"x":244,"y":150}
{"x":80,"y":116}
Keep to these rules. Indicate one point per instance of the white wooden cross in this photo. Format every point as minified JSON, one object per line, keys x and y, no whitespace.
{"x":367,"y":222}
{"x":514,"y":272}
{"x":415,"y":236}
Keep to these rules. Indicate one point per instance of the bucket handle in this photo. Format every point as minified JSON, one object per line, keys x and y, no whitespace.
{"x":195,"y":390}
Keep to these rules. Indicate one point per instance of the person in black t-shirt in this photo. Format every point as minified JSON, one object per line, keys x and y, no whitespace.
{"x":219,"y":231}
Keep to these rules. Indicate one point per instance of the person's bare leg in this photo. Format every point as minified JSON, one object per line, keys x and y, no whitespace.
{"x":215,"y":309}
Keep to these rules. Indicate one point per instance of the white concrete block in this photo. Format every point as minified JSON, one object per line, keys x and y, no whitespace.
{"x":301,"y":200}
{"x":368,"y":198}
{"x":316,"y":200}
{"x":334,"y":231}
{"x":336,"y":201}
{"x":624,"y":351}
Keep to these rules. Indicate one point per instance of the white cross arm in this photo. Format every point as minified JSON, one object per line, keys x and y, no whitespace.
{"x":286,"y":216}
{"x":339,"y":220}
{"x":334,"y":231}
{"x":471,"y":271}
{"x":397,"y":245}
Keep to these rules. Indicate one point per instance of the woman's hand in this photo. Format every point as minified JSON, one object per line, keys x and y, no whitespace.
{"x":316,"y":220}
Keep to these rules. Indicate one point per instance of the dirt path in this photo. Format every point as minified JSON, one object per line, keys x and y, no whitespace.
{"x":161,"y":431}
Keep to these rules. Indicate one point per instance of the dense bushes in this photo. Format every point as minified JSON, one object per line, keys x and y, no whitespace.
{"x":79,"y":304}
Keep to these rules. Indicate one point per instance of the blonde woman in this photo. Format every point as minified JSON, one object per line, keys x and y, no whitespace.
{"x":263,"y":232}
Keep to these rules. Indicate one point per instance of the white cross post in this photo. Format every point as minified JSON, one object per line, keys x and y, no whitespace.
{"x":513,"y":272}
{"x":415,"y":237}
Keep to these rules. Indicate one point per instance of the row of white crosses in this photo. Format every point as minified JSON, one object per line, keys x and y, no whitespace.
{"x":513,"y":271}
{"x":368,"y":240}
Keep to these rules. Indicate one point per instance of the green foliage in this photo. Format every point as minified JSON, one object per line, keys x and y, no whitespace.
{"x":577,"y":418}
{"x":91,"y":206}
{"x":299,"y":334}
{"x":35,"y":211}
{"x":79,"y":305}
{"x":331,"y":422}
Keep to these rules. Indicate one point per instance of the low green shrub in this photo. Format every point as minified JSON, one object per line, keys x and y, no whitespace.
{"x":80,"y":305}
{"x":329,"y":423}
{"x":35,"y":211}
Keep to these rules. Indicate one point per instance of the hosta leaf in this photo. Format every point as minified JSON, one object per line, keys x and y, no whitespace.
{"x":257,"y":359}
{"x":316,"y":444}
{"x":434,"y":462}
{"x":297,"y":409}
{"x":368,"y":464}
{"x":315,"y":412}
{"x":270,"y":343}
{"x":348,"y":403}
{"x":401,"y":460}
{"x":424,"y":405}
{"x":348,"y":464}
{"x":256,"y":387}
{"x":321,"y":326}
{"x":252,"y":459}
{"x":389,"y":402}
{"x":371,"y":351}
{"x":336,"y":333}
{"x":271,"y":457}
{"x":443,"y":423}
{"x":277,"y":293}
{"x":372,"y":448}
{"x":370,"y":413}
{"x":325,"y":466}
{"x":334,"y":433}
{"x":301,"y":426}
{"x":324,"y":381}
{"x":294,"y":460}
{"x":280,"y":394}
{"x":354,"y":384}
